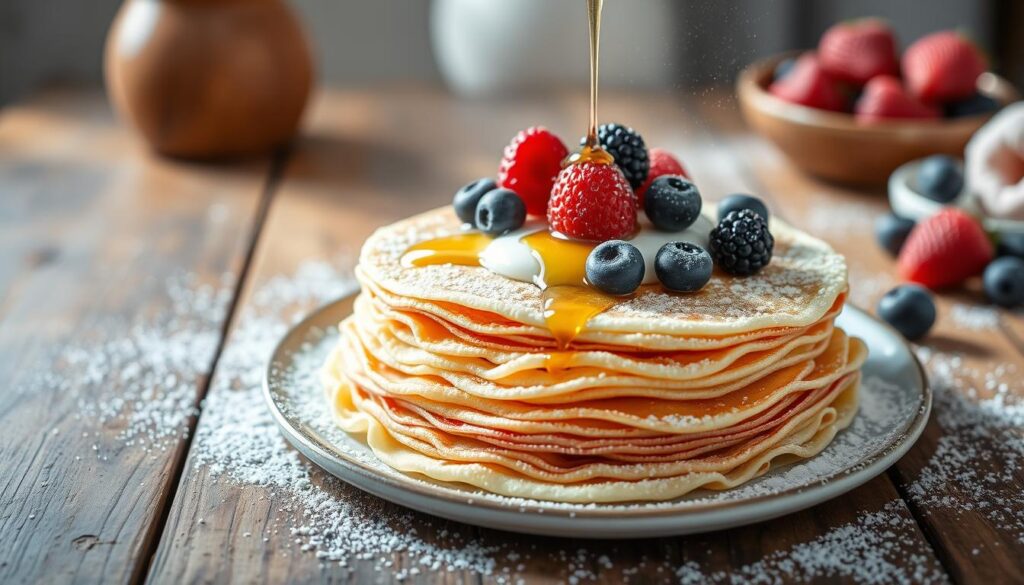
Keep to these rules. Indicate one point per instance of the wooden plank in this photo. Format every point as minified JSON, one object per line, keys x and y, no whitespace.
{"x":962,"y":480}
{"x":374,"y":158}
{"x":116,"y":273}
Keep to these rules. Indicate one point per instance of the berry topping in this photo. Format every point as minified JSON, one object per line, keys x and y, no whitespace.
{"x":741,"y":243}
{"x":740,"y":201}
{"x":529,"y":166}
{"x":627,"y":148}
{"x":945,"y":250}
{"x":662,"y":163}
{"x":940,"y":178}
{"x":942,"y":67}
{"x":891,"y":231}
{"x":854,"y":52}
{"x":592,"y":201}
{"x":909,"y":309}
{"x":885,"y":98}
{"x":615,"y":267}
{"x":808,"y":85}
{"x":975,"y":105}
{"x":500,"y":211}
{"x":1004,"y":281}
{"x":672,"y":203}
{"x":468,"y":196}
{"x":683,"y":267}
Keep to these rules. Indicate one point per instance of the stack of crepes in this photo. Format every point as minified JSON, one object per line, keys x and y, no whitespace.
{"x":452,"y":373}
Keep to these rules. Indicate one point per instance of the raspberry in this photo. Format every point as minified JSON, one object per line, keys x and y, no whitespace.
{"x":662,"y":163}
{"x":592,"y":201}
{"x":529,"y":166}
{"x":741,"y":244}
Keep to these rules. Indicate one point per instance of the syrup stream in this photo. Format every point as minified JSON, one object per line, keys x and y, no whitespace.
{"x":594,"y":8}
{"x":569,"y":303}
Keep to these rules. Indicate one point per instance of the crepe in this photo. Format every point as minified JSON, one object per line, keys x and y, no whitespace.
{"x":800,"y":284}
{"x":455,"y":373}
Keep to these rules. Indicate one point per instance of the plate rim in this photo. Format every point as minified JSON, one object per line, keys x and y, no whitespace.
{"x":418,"y":494}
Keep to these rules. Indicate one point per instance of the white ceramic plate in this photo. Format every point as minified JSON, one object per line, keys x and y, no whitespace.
{"x":906,"y":201}
{"x":895,"y":403}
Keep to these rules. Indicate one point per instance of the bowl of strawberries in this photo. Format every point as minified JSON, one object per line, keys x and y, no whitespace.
{"x":855,"y":109}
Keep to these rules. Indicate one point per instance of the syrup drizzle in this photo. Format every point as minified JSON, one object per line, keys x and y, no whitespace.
{"x":461,"y":249}
{"x":591,"y":150}
{"x":594,"y":8}
{"x":568,"y":301}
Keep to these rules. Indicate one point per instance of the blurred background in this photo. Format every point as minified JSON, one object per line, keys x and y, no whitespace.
{"x":487,"y":47}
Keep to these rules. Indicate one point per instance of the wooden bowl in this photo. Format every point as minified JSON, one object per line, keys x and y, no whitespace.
{"x":836,"y":147}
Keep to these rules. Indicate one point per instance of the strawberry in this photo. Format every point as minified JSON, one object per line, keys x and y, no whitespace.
{"x":945,"y":249}
{"x":592,"y":201}
{"x":885,"y":98}
{"x":662,"y":163}
{"x":529,"y":166}
{"x":807,"y":84}
{"x":854,"y":52}
{"x":943,"y":67}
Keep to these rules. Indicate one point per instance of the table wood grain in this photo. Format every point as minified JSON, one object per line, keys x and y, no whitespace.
{"x":85,"y":235}
{"x":92,"y":228}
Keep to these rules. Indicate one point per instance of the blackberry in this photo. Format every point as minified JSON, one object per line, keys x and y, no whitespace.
{"x":741,"y":244}
{"x":628,"y":149}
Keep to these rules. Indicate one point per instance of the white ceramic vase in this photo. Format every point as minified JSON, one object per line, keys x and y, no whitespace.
{"x":487,"y":47}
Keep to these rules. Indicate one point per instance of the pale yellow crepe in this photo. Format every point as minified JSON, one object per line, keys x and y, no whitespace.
{"x":451,"y":372}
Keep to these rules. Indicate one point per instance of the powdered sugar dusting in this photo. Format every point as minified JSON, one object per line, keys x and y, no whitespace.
{"x":974,"y":317}
{"x":869,"y":550}
{"x":238,"y":439}
{"x":977,"y":465}
{"x":152,"y":371}
{"x":141,"y":374}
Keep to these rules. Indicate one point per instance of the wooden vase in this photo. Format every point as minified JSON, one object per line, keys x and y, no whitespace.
{"x":209,"y":78}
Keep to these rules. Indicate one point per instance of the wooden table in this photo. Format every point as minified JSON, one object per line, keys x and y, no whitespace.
{"x":130,"y":291}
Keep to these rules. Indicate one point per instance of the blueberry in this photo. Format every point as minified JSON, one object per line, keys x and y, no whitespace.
{"x":1011,"y":244}
{"x":940,"y":178}
{"x":500,"y":211}
{"x":467,"y":198}
{"x":1004,"y":281}
{"x":891,"y":231}
{"x":783,"y":68}
{"x":615,"y":267}
{"x":672,"y":203}
{"x":978,"y":103}
{"x":909,"y":309}
{"x":739,"y":201}
{"x":683,"y":267}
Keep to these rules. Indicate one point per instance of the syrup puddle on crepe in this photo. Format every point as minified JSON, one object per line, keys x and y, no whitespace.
{"x":462,"y":249}
{"x":567,"y":299}
{"x":569,"y":302}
